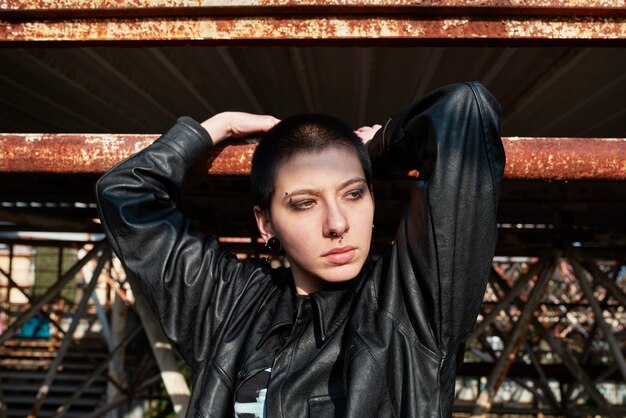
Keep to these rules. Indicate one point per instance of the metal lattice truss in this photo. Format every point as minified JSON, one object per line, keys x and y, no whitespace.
{"x":125,"y":381}
{"x":554,"y":329}
{"x":550,"y":340}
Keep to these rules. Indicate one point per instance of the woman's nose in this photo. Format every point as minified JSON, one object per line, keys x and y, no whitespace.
{"x":336,"y":224}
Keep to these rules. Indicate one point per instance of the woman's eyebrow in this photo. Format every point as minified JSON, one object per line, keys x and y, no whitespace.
{"x":288,"y":195}
{"x":350,"y":182}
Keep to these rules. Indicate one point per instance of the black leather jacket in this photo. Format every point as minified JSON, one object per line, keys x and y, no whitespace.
{"x":382,"y":345}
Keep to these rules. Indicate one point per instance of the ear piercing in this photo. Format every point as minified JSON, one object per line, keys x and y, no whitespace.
{"x":273,"y":244}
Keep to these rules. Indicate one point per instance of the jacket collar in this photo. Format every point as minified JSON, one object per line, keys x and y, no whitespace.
{"x":283,"y":301}
{"x":331,"y":305}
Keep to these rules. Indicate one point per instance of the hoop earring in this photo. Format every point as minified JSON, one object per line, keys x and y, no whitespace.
{"x":273,"y":244}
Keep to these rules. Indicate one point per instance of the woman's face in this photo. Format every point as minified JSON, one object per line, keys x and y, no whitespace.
{"x":322,"y":213}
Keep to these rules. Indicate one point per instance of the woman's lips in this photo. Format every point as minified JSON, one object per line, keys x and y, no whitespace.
{"x":341,"y":255}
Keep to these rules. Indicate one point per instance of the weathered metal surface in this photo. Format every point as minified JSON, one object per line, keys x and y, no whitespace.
{"x":566,"y":158}
{"x":68,"y":6}
{"x":363,"y":30}
{"x":95,"y":153}
{"x":527,"y":158}
{"x":73,"y":153}
{"x":339,"y":21}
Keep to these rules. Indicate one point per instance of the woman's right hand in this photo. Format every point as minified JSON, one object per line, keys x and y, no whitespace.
{"x":366,"y":133}
{"x":237,"y":125}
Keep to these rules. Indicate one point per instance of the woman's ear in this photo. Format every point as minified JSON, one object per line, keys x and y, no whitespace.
{"x":263,"y":223}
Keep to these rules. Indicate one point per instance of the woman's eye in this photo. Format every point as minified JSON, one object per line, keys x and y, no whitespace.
{"x":355,"y":194}
{"x":302,"y":204}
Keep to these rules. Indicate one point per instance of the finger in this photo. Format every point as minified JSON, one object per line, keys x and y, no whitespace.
{"x":273,"y":121}
{"x":269,"y":122}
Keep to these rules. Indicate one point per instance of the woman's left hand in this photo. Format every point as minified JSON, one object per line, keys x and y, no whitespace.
{"x":237,"y":125}
{"x":366,"y":133}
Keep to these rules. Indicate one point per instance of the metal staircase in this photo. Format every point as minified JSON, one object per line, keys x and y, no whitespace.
{"x":23,"y":367}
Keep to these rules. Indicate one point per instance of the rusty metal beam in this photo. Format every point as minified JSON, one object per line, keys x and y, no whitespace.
{"x":44,"y":8}
{"x":565,"y":158}
{"x":362,"y":22}
{"x":527,"y":158}
{"x":326,"y":30}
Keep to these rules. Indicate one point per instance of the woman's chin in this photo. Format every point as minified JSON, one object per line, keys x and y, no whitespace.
{"x":338,"y":274}
{"x":317,"y":279}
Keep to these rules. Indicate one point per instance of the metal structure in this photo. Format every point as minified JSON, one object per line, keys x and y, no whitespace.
{"x":559,"y":360}
{"x":551,"y":335}
{"x":527,"y":158}
{"x":402,"y":21}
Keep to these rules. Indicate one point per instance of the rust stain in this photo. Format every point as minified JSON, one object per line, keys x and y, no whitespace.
{"x":566,"y":158}
{"x":309,"y":28}
{"x":39,"y":5}
{"x":527,"y":158}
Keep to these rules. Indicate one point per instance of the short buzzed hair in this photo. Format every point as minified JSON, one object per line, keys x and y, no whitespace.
{"x":295,"y":134}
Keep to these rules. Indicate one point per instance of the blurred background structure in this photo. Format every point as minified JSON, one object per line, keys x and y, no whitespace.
{"x":85,"y":84}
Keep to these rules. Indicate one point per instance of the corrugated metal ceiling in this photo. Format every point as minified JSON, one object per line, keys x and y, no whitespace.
{"x":545,"y":91}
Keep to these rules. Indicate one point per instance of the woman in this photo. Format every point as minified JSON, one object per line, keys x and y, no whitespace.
{"x":336,"y":334}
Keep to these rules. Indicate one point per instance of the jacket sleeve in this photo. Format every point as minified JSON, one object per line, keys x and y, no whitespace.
{"x":185,"y":278}
{"x":442,"y":252}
